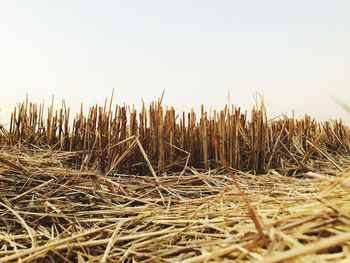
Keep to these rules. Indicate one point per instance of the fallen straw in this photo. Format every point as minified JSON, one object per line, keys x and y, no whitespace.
{"x":252,"y":213}
{"x":325,"y":178}
{"x":23,"y":223}
{"x":112,"y":241}
{"x":147,"y":160}
{"x":32,"y":189}
{"x":308,"y":249}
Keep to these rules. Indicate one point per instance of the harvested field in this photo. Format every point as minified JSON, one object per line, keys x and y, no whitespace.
{"x":110,"y":140}
{"x":53,"y":213}
{"x":66,"y":194}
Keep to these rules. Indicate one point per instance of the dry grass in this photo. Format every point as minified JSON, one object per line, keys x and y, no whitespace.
{"x":106,"y":139}
{"x":53,"y":213}
{"x":66,"y":196}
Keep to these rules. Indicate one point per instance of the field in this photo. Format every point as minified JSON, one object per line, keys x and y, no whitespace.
{"x":119,"y":185}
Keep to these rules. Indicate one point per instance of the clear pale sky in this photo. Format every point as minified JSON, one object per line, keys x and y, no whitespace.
{"x":295,"y":53}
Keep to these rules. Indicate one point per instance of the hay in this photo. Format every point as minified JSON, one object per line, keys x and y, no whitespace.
{"x":52,"y":212}
{"x":150,"y":187}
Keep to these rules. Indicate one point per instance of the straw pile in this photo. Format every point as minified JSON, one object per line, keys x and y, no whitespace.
{"x":53,"y":213}
{"x":66,"y":196}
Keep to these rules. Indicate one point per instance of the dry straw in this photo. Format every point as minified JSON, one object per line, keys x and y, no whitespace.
{"x":53,"y":213}
{"x":66,"y":196}
{"x":106,"y":139}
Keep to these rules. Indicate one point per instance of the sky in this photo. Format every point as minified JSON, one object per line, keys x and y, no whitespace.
{"x":294,"y":53}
